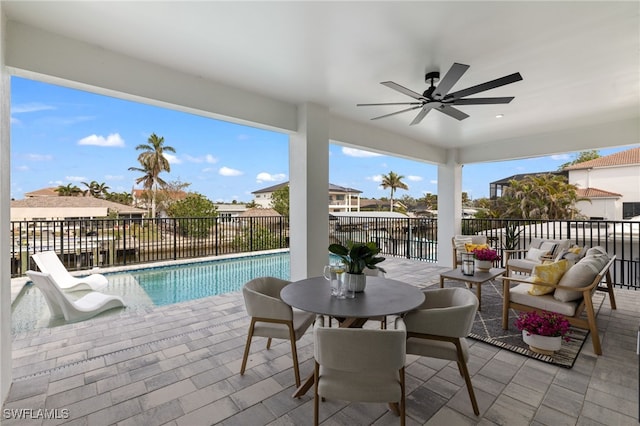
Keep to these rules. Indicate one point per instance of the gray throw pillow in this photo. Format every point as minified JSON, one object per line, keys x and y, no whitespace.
{"x":580,"y":275}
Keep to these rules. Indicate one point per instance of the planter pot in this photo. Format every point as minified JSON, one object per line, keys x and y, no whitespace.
{"x":355,"y":282}
{"x":483,"y":265}
{"x":546,"y":345}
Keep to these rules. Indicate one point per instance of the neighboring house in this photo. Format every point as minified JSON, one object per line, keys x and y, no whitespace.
{"x":67,"y":208}
{"x":226,"y":212}
{"x":612,"y":183}
{"x":341,"y":199}
{"x":44,"y":192}
{"x":163,"y":198}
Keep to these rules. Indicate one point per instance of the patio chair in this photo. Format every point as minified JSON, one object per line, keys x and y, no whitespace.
{"x":272,"y":318}
{"x":346,"y":370}
{"x":89,"y":305}
{"x":459,"y":245}
{"x":49,"y":263}
{"x":439,"y":327}
{"x":380,"y":274}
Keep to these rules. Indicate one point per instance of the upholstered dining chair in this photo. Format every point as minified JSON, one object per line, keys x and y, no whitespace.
{"x":377,"y":273}
{"x":272,"y":318}
{"x":346,"y":370}
{"x":439,"y":327}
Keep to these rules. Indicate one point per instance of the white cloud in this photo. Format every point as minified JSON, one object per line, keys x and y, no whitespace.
{"x":172,"y":159}
{"x":39,"y":157}
{"x":76,"y":178}
{"x":31,"y":107}
{"x":204,"y":159}
{"x":111,"y":140}
{"x":414,"y":178}
{"x":208,"y":170}
{"x":22,"y":169}
{"x":433,"y":181}
{"x":227,"y":171}
{"x":268,"y":177}
{"x":114,"y":177}
{"x":376,"y":178}
{"x":352,"y":152}
{"x":560,"y":157}
{"x":55,"y":182}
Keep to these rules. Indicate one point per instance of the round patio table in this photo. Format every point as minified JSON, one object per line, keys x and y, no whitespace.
{"x":381,"y":297}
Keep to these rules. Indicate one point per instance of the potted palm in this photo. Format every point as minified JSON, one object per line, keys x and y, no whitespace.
{"x":357,"y":257}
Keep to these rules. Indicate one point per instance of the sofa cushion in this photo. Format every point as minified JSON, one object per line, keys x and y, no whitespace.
{"x":558,"y":245}
{"x":520,"y":294}
{"x":523,"y":264}
{"x":549,"y":273}
{"x":580,"y":275}
{"x":534,"y":254}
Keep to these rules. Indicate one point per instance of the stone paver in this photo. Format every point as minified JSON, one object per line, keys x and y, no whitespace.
{"x":178,"y":365}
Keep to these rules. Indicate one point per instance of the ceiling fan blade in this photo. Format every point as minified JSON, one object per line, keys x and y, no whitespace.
{"x":453,"y":112}
{"x":450,"y":79}
{"x":403,"y":90}
{"x":397,"y":112}
{"x":392,"y":103}
{"x":485,"y":86}
{"x":425,"y":110}
{"x":482,"y":101}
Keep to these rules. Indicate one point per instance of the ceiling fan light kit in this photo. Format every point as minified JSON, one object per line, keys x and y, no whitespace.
{"x":439,"y":98}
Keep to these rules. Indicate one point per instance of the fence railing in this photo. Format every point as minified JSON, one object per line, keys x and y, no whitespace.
{"x":84,"y":244}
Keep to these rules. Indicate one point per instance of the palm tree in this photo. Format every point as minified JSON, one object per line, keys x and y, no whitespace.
{"x":153,"y":163}
{"x":394,"y":182}
{"x":69,"y":190}
{"x":96,"y":190}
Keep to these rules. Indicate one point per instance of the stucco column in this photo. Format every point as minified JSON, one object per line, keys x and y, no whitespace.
{"x":308,"y":192}
{"x":449,"y":206}
{"x":5,"y":216}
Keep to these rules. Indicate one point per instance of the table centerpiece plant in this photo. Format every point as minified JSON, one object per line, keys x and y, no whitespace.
{"x":484,"y":258}
{"x":356,"y":257}
{"x":543,"y":331}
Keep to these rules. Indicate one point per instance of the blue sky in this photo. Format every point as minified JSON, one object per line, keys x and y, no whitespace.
{"x":61,"y":136}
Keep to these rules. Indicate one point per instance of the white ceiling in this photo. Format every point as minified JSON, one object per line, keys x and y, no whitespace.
{"x":580,"y":61}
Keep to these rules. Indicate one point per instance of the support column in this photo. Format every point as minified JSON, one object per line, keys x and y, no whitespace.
{"x":309,"y":192}
{"x":449,"y":206}
{"x":5,"y":216}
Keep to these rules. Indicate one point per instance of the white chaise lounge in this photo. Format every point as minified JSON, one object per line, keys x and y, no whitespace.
{"x":49,"y":263}
{"x":60,"y":304}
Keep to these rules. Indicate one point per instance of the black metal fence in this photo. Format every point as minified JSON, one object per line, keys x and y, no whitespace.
{"x":84,"y":244}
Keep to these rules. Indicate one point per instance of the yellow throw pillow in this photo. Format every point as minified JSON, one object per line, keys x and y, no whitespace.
{"x":547,"y":273}
{"x":471,"y":247}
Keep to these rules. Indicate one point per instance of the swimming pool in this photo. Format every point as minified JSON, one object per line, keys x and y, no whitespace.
{"x":158,"y":286}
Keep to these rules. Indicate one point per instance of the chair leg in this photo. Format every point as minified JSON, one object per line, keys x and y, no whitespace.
{"x":269,"y":343}
{"x":612,"y":298}
{"x":294,"y":354}
{"x":403,"y":401}
{"x":247,"y":346}
{"x":316,"y":408}
{"x":505,"y":305}
{"x":462,"y":365}
{"x":593,"y":326}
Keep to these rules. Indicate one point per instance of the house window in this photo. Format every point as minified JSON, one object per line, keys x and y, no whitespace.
{"x":630,"y":210}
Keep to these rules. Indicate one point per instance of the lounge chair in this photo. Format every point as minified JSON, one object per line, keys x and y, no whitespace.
{"x":49,"y":263}
{"x":60,"y":304}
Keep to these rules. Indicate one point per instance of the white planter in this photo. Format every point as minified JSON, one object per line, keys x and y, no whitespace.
{"x":546,"y":345}
{"x":355,"y":282}
{"x":483,"y":265}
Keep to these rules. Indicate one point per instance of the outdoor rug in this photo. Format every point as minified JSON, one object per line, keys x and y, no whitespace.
{"x":487,"y":327}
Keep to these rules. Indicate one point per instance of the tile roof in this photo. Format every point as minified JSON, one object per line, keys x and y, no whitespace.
{"x":630,"y":156}
{"x":73,"y":202}
{"x":43,"y":192}
{"x":259,"y":212}
{"x":596,"y":193}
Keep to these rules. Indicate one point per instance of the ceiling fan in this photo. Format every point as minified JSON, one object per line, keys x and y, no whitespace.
{"x":440,"y":99}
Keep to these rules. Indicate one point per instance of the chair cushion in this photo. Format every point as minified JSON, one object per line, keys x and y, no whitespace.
{"x":580,"y":275}
{"x":534,"y":254}
{"x":520,"y":294}
{"x":549,"y":273}
{"x":301,"y":322}
{"x":523,"y":264}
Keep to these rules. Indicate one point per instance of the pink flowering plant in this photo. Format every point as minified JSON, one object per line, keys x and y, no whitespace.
{"x":486,"y":254}
{"x":544,"y":323}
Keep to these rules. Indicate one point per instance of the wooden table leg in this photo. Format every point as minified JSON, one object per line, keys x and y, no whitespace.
{"x":304,"y":387}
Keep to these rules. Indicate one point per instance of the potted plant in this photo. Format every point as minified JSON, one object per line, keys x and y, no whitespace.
{"x":357,"y":257}
{"x":484,"y":258}
{"x":543,"y":331}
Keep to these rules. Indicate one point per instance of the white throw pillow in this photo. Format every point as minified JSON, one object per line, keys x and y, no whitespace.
{"x":534,"y":254}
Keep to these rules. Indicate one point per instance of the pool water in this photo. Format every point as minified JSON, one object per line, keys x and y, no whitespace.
{"x":145,"y":288}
